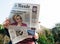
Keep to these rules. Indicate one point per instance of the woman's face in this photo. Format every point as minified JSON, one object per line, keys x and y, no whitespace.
{"x":18,"y":19}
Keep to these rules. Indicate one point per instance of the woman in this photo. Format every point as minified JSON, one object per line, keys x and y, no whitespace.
{"x":18,"y":22}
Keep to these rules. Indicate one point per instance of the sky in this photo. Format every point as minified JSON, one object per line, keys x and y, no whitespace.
{"x":49,"y":13}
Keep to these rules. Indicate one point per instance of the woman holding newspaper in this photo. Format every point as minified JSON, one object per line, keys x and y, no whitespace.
{"x":18,"y":22}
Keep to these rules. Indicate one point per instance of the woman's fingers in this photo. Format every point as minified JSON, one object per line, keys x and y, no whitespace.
{"x":6,"y":23}
{"x":36,"y":36}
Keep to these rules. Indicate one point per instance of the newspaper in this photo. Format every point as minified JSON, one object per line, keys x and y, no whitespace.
{"x":17,"y":33}
{"x":29,"y":14}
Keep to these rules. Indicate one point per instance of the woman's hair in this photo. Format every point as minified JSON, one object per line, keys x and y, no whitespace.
{"x":16,"y":17}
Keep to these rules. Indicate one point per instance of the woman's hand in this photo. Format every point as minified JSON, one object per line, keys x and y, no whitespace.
{"x":6,"y":23}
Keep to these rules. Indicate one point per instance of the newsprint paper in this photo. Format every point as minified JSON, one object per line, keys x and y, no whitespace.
{"x":17,"y":33}
{"x":29,"y":14}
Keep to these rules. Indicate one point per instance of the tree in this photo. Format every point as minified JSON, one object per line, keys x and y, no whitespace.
{"x":56,"y":32}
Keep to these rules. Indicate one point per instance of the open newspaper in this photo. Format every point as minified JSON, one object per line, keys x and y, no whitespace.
{"x":29,"y":14}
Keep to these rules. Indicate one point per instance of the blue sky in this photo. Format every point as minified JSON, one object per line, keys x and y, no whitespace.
{"x":49,"y":10}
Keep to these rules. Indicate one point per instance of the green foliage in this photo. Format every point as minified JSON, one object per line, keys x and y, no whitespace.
{"x":50,"y":37}
{"x":42,"y":39}
{"x":46,"y":38}
{"x":1,"y":27}
{"x":2,"y":30}
{"x":56,"y":32}
{"x":4,"y":39}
